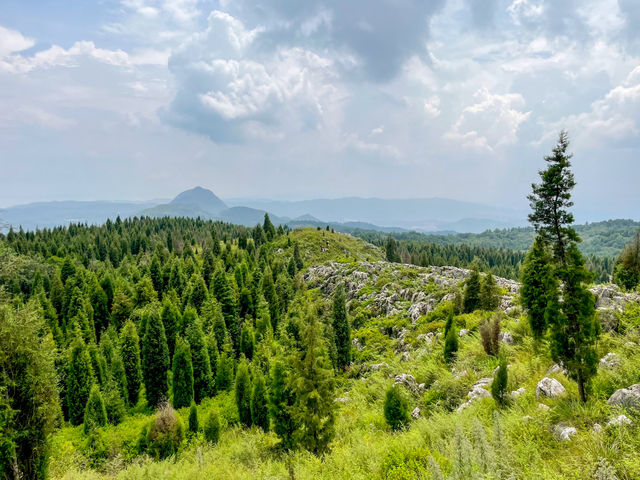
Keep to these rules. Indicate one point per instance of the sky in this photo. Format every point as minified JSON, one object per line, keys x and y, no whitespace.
{"x":284,"y":99}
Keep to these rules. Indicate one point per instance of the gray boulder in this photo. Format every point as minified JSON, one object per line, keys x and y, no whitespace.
{"x":620,"y":421}
{"x":550,"y":388}
{"x":564,"y":432}
{"x":626,"y":397}
{"x":610,"y":360}
{"x":506,"y":337}
{"x":408,"y":381}
{"x":416,"y":413}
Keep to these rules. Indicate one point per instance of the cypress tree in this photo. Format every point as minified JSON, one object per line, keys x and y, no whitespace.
{"x":499,"y":384}
{"x":391,"y":251}
{"x":212,"y":349}
{"x":259,"y":408}
{"x":224,"y":375}
{"x":202,"y":379}
{"x":114,"y":403}
{"x":119,"y":376}
{"x":243,"y":394}
{"x":472,"y":292}
{"x":281,"y":403}
{"x":99,"y":303}
{"x":268,"y":227}
{"x":198,"y":294}
{"x":155,"y":359}
{"x":182,"y":375}
{"x":95,"y":414}
{"x":489,"y":297}
{"x":450,"y":345}
{"x":212,"y":428}
{"x":538,"y":286}
{"x":296,"y":257}
{"x":194,"y":426}
{"x":396,"y":408}
{"x":171,"y":321}
{"x":224,"y":295}
{"x":247,"y":341}
{"x":269,"y":292}
{"x":314,"y":390}
{"x":79,"y":381}
{"x":341,"y":329}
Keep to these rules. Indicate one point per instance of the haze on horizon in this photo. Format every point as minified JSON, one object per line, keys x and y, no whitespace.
{"x":141,"y":99}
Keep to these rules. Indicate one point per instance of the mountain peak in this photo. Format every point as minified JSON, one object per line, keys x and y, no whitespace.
{"x":202,"y":197}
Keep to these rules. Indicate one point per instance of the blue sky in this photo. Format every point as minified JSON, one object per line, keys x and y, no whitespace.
{"x":139,"y":99}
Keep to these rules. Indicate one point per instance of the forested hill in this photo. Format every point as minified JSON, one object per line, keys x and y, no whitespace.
{"x":603,"y":239}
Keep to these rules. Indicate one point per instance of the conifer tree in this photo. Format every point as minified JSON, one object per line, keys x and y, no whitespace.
{"x":194,"y":425}
{"x":80,"y":378}
{"x":224,"y":375}
{"x":243,"y":394}
{"x":268,"y":228}
{"x":314,"y":390}
{"x":281,"y":404}
{"x":212,"y":350}
{"x":197,"y":294}
{"x":451,"y":345}
{"x":538,"y":285}
{"x":182,"y":375}
{"x":171,"y":321}
{"x":392,"y":251}
{"x":224,"y":295}
{"x":95,"y":413}
{"x":472,"y":292}
{"x":297,"y":258}
{"x":114,"y":402}
{"x":489,"y":296}
{"x":119,"y":376}
{"x":155,"y":359}
{"x":396,"y":408}
{"x":499,"y":384}
{"x":341,"y":329}
{"x":100,"y":306}
{"x":259,"y":407}
{"x":212,"y":428}
{"x":247,"y":341}
{"x":202,"y":379}
{"x":269,"y":292}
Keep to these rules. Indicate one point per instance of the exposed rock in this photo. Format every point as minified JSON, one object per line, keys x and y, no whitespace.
{"x":416,"y":413}
{"x":426,"y":337}
{"x":357,"y":345}
{"x":405,"y":357}
{"x":610,"y":300}
{"x":626,"y":397}
{"x":543,"y":407}
{"x":550,"y":388}
{"x":564,"y":432}
{"x":597,"y":428}
{"x":421,"y":308}
{"x":557,"y":369}
{"x":463,"y":332}
{"x":408,"y":382}
{"x":342,"y":399}
{"x":518,"y":392}
{"x":506,"y":337}
{"x":477,"y":392}
{"x":378,"y":366}
{"x":620,"y":421}
{"x":610,"y":360}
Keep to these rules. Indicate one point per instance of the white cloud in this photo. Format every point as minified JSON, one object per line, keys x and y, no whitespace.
{"x":12,"y":41}
{"x":490,"y":122}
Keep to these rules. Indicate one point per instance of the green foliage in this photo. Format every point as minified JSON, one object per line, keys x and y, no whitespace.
{"x":224,"y":373}
{"x":259,"y":407}
{"x":155,"y":359}
{"x":499,"y":384}
{"x":490,"y":336}
{"x":472,"y":300}
{"x":450,"y":345}
{"x":194,"y":426}
{"x":391,"y":251}
{"x":182,"y":375}
{"x":247,"y":341}
{"x":627,"y":269}
{"x":114,"y":403}
{"x":281,"y":403}
{"x":489,"y":294}
{"x":80,"y":378}
{"x":538,"y":285}
{"x":28,"y":395}
{"x":243,"y":394}
{"x":202,"y":379}
{"x":95,"y":413}
{"x":171,"y":320}
{"x":130,"y":351}
{"x":396,"y":408}
{"x":165,"y":434}
{"x":341,"y":329}
{"x":212,"y":428}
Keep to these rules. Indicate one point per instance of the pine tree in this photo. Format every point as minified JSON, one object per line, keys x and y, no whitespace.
{"x":247,"y":341}
{"x":99,"y":302}
{"x":194,"y":426}
{"x":451,"y":345}
{"x":268,"y":228}
{"x":472,"y":292}
{"x":95,"y":414}
{"x":212,"y":428}
{"x":538,"y":285}
{"x":314,"y":390}
{"x":243,"y":394}
{"x":281,"y":402}
{"x":114,"y":403}
{"x":202,"y":379}
{"x":574,"y":327}
{"x":626,"y":272}
{"x":80,"y":378}
{"x":489,"y":295}
{"x":499,"y":384}
{"x":171,"y":321}
{"x":155,"y":359}
{"x":224,"y":295}
{"x":224,"y":375}
{"x":214,"y":359}
{"x":391,"y":251}
{"x":197,"y":294}
{"x":396,"y":408}
{"x":341,"y":329}
{"x":297,"y":258}
{"x":259,"y":407}
{"x":182,"y":375}
{"x":269,"y":292}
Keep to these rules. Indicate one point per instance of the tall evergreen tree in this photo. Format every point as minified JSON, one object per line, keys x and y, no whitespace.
{"x":80,"y":378}
{"x":499,"y":384}
{"x":341,"y":329}
{"x":269,"y":229}
{"x":130,"y":352}
{"x":396,"y":408}
{"x":224,"y":373}
{"x":243,"y":394}
{"x":472,"y":292}
{"x":197,"y":293}
{"x":223,"y":293}
{"x":194,"y":424}
{"x":155,"y":359}
{"x":247,"y":341}
{"x":450,"y":345}
{"x":489,"y":294}
{"x":391,"y":250}
{"x":281,"y":404}
{"x":270,"y":295}
{"x":538,"y":286}
{"x":95,"y":413}
{"x":314,"y":389}
{"x":259,"y":407}
{"x":171,"y":321}
{"x":296,"y":257}
{"x":202,"y":380}
{"x":182,"y":375}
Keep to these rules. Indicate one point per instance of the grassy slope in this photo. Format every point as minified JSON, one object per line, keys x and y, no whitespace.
{"x":364,"y":447}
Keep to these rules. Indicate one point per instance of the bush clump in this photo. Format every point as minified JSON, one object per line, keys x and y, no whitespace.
{"x":165,"y":434}
{"x":212,"y":428}
{"x":396,"y":409}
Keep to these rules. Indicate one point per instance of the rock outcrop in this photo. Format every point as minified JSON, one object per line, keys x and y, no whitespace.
{"x":626,"y":397}
{"x":550,"y":388}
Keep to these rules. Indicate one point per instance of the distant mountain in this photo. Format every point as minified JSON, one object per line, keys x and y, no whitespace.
{"x":421,"y":214}
{"x":203,"y":198}
{"x":248,"y":217}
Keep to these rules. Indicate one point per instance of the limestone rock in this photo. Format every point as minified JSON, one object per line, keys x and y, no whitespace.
{"x":564,"y":432}
{"x":550,"y":388}
{"x":477,"y":392}
{"x":463,"y":332}
{"x":543,"y":407}
{"x":518,"y":392}
{"x":557,"y":369}
{"x":597,"y":428}
{"x":620,"y":421}
{"x":506,"y":337}
{"x":378,"y":366}
{"x":626,"y":397}
{"x":416,"y":413}
{"x":408,"y":382}
{"x":610,"y":360}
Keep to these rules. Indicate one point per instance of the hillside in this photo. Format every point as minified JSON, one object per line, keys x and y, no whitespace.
{"x":396,"y":313}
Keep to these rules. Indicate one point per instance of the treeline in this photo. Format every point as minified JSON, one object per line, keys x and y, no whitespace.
{"x":160,"y":313}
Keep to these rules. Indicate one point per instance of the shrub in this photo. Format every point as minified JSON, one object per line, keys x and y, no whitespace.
{"x":212,"y":428}
{"x":396,"y":409}
{"x":451,"y":345}
{"x":490,"y":336}
{"x":499,"y":385}
{"x":95,"y":414}
{"x":193,"y":419}
{"x":165,"y":434}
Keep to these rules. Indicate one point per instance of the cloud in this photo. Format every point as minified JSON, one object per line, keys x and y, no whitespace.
{"x":490,"y":122}
{"x":12,"y":41}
